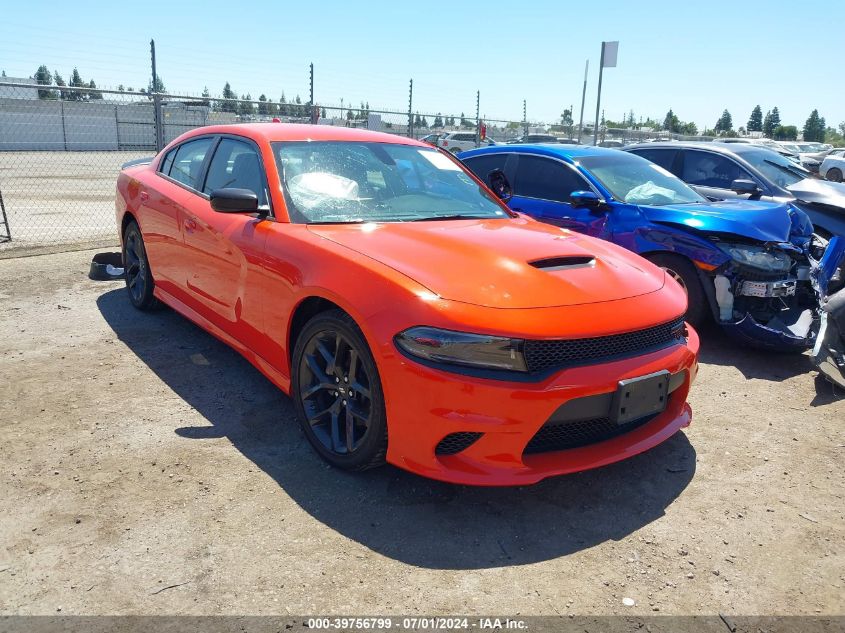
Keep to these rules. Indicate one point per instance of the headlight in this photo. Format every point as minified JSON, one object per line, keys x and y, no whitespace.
{"x":758,"y":257}
{"x":461,"y":348}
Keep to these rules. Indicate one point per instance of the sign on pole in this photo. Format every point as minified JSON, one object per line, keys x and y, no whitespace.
{"x":609,"y":51}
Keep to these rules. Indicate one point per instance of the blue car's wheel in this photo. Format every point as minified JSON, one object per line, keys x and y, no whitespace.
{"x":683,"y":272}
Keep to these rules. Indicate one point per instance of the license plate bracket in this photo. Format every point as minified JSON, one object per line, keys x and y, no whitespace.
{"x":639,"y":397}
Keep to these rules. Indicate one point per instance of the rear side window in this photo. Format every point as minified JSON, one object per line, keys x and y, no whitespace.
{"x":663,"y":157}
{"x":481,"y":166}
{"x":237,"y":165}
{"x":187,"y":164}
{"x":167,"y":163}
{"x":464,"y":137}
{"x":546,"y":179}
{"x":707,"y":169}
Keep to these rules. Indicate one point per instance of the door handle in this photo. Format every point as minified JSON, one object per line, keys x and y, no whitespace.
{"x":190,"y":225}
{"x":144,"y":196}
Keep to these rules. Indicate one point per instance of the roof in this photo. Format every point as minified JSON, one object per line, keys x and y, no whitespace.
{"x":555,"y":150}
{"x":299,"y":132}
{"x":714,"y":146}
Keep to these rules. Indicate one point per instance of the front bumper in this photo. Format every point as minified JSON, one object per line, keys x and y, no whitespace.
{"x":425,"y":405}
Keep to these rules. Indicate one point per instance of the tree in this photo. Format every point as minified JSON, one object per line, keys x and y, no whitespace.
{"x":755,"y":121}
{"x":206,"y":97}
{"x":724,"y":125}
{"x":464,"y":122}
{"x":245,"y":107}
{"x":94,"y":95}
{"x":284,"y":110}
{"x":671,"y":123}
{"x":814,"y":128}
{"x":228,"y":105}
{"x":262,"y":105}
{"x":323,"y":114}
{"x":785,"y":133}
{"x":566,"y":120}
{"x":44,"y":78}
{"x":159,"y":86}
{"x":76,"y":82}
{"x":57,"y":79}
{"x":438,"y":121}
{"x":690,"y":129}
{"x":768,"y":128}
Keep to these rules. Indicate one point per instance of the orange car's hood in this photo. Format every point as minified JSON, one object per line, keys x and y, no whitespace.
{"x":486,"y":262}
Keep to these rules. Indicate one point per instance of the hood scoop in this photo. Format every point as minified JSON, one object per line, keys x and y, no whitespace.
{"x":553,"y":264}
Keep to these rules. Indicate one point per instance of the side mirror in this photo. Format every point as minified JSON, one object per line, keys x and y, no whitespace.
{"x":587,"y":199}
{"x":743,"y":186}
{"x":498,"y":182}
{"x":232,"y":200}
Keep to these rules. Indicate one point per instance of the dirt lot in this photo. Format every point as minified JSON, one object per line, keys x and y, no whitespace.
{"x":147,"y":469}
{"x":59,"y":197}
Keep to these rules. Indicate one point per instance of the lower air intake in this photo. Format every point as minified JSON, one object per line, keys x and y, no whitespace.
{"x":574,"y":434}
{"x":454,"y":443}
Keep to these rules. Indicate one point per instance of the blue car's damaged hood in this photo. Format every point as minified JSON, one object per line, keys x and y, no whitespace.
{"x":763,"y":221}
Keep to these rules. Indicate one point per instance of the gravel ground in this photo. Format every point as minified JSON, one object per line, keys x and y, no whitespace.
{"x":146,"y":468}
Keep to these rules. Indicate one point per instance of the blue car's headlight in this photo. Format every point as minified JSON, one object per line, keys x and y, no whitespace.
{"x":461,"y":348}
{"x":758,"y":257}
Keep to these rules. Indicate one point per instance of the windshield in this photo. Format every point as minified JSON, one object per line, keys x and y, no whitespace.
{"x":339,"y":182}
{"x":776,"y":168}
{"x":633,"y":179}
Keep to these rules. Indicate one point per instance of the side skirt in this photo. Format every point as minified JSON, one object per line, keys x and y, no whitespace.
{"x":272,"y":374}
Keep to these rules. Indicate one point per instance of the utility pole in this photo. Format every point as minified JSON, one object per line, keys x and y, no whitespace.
{"x":477,"y":118}
{"x":410,"y":109}
{"x":583,"y":97}
{"x":524,"y":117}
{"x":311,"y":95}
{"x":159,"y":128}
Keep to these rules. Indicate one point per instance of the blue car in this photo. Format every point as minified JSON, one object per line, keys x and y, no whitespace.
{"x":746,"y":264}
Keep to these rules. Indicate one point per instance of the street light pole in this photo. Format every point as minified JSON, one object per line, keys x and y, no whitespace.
{"x":609,"y":51}
{"x":583,"y":98}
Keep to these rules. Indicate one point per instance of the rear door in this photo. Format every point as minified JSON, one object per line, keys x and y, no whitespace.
{"x":161,"y":216}
{"x":542,"y":187}
{"x":226,"y":250}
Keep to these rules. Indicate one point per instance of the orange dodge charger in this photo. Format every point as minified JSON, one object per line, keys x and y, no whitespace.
{"x":409,"y":314}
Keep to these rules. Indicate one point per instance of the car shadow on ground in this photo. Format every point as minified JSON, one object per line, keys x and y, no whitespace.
{"x":717,"y":348}
{"x":405,"y":517}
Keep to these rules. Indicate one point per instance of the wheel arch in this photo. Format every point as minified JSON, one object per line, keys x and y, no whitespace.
{"x":309,"y":307}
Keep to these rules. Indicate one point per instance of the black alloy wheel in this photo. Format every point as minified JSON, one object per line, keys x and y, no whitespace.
{"x":336,"y":388}
{"x":139,"y":278}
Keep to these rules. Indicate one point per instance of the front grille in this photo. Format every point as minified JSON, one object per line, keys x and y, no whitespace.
{"x":543,"y":355}
{"x":577,"y":433}
{"x":454,"y":443}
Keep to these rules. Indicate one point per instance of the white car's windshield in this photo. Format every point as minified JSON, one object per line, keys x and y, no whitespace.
{"x":635,"y":180}
{"x":340,"y":182}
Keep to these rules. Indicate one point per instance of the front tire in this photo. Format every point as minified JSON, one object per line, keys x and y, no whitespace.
{"x":834,"y":174}
{"x":139,"y":277}
{"x":684,"y":273}
{"x":337,"y":393}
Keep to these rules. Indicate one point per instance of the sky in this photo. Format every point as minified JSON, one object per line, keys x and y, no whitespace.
{"x":696,"y":58}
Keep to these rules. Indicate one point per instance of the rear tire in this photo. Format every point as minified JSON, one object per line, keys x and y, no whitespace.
{"x":834,"y":174}
{"x":139,"y":277}
{"x":337,"y":393}
{"x":684,"y":273}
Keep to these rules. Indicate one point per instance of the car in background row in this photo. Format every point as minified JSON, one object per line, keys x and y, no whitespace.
{"x":409,"y":314}
{"x":723,"y":171}
{"x":808,"y":157}
{"x":455,"y":141}
{"x":744,"y":263}
{"x":833,"y":166}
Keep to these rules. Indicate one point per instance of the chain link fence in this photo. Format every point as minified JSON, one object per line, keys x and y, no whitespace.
{"x":61,"y":148}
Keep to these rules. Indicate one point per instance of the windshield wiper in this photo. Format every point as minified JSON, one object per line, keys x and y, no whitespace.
{"x":338,"y":222}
